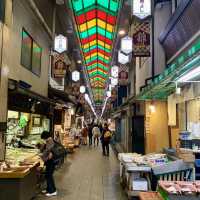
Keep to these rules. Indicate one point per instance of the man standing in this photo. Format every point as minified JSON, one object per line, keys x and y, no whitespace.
{"x":90,"y":134}
{"x":47,"y":156}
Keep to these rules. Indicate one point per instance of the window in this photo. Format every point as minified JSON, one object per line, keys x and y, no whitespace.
{"x":31,"y":53}
{"x":2,"y":9}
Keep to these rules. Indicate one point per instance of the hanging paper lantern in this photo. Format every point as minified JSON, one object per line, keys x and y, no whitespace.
{"x":82,"y":89}
{"x":127,"y":45}
{"x":141,"y":8}
{"x":108,"y":93}
{"x":75,"y":76}
{"x":60,"y":44}
{"x":114,"y":71}
{"x":114,"y":81}
{"x":122,"y":58}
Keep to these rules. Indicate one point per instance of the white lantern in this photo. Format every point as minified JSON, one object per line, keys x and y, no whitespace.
{"x":75,"y":76}
{"x":60,"y":44}
{"x":114,"y":71}
{"x":141,"y":8}
{"x":122,"y":58}
{"x":127,"y":45}
{"x":108,"y":93}
{"x":82,"y":89}
{"x":114,"y":81}
{"x":110,"y":87}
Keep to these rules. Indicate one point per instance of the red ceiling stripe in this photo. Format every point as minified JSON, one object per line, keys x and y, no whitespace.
{"x":97,"y":50}
{"x":92,"y":14}
{"x":89,"y":39}
{"x":94,"y":37}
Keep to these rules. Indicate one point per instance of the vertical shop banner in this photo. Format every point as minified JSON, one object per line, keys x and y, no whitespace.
{"x":59,"y":65}
{"x":75,"y":90}
{"x":114,"y":94}
{"x":123,"y":75}
{"x":141,"y":39}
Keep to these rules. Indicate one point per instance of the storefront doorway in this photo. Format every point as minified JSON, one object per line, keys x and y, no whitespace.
{"x":138,"y":140}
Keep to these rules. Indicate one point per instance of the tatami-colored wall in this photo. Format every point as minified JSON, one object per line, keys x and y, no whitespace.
{"x":156,"y":127}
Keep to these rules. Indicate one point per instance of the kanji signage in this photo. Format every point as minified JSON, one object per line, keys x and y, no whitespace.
{"x":141,"y":39}
{"x":142,"y":8}
{"x":58,"y":65}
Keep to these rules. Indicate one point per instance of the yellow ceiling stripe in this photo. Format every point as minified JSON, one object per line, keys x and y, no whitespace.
{"x":101,"y":23}
{"x":91,"y":23}
{"x":83,"y":27}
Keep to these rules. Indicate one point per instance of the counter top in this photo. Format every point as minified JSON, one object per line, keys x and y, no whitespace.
{"x":18,"y":172}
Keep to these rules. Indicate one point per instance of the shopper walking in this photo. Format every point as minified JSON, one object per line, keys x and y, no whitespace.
{"x":96,"y":134}
{"x":105,"y":139}
{"x":47,"y":156}
{"x":84,"y":133}
{"x":90,"y":134}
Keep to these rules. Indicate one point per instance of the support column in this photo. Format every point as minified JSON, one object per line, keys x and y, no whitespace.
{"x":5,"y":52}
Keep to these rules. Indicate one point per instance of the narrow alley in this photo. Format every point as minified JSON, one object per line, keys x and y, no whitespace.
{"x":87,"y":175}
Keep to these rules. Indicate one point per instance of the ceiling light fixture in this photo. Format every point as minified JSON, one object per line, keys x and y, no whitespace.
{"x":79,"y":61}
{"x":122,"y":32}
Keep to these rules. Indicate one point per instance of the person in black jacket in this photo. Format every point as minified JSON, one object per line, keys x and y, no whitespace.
{"x":47,"y":156}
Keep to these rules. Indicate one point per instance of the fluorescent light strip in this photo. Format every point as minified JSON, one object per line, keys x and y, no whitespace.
{"x":190,"y":75}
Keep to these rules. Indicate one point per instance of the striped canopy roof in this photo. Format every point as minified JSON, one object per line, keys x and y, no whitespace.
{"x":96,"y":27}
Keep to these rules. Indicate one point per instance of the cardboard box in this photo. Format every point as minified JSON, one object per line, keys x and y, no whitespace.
{"x":140,"y":184}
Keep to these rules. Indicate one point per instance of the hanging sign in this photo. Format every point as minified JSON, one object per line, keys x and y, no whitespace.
{"x":75,"y":76}
{"x":123,"y":75}
{"x":126,"y":45}
{"x":141,"y":8}
{"x":122,"y":58}
{"x":58,"y":65}
{"x":141,"y":39}
{"x":60,"y":44}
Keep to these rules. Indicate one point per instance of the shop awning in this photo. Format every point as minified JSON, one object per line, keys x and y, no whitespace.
{"x":58,"y":94}
{"x":164,"y":84}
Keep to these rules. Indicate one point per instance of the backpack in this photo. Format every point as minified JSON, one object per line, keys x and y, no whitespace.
{"x":107,"y":135}
{"x":58,"y":152}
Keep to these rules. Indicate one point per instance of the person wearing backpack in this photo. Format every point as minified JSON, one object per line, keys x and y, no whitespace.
{"x":48,"y":158}
{"x":105,"y":139}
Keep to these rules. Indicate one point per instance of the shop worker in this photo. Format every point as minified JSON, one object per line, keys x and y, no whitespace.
{"x":47,"y":157}
{"x":105,"y":139}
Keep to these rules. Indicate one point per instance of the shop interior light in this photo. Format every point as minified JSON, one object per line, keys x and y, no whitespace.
{"x":127,"y":45}
{"x":178,"y":89}
{"x":72,"y":111}
{"x":114,"y":71}
{"x":60,"y":43}
{"x":75,"y":76}
{"x":122,"y":58}
{"x":82,"y":89}
{"x":152,"y":108}
{"x":194,"y":73}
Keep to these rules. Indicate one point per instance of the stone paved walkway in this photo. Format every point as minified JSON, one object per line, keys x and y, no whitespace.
{"x":87,"y":175}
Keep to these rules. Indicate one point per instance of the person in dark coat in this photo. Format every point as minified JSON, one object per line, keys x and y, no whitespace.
{"x":90,"y":135}
{"x":105,"y":139}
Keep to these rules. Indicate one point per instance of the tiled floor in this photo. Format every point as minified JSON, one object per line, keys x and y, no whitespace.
{"x":87,"y":175}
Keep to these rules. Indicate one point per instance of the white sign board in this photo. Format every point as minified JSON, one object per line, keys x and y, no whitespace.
{"x":60,"y":44}
{"x":75,"y":76}
{"x":141,"y":8}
